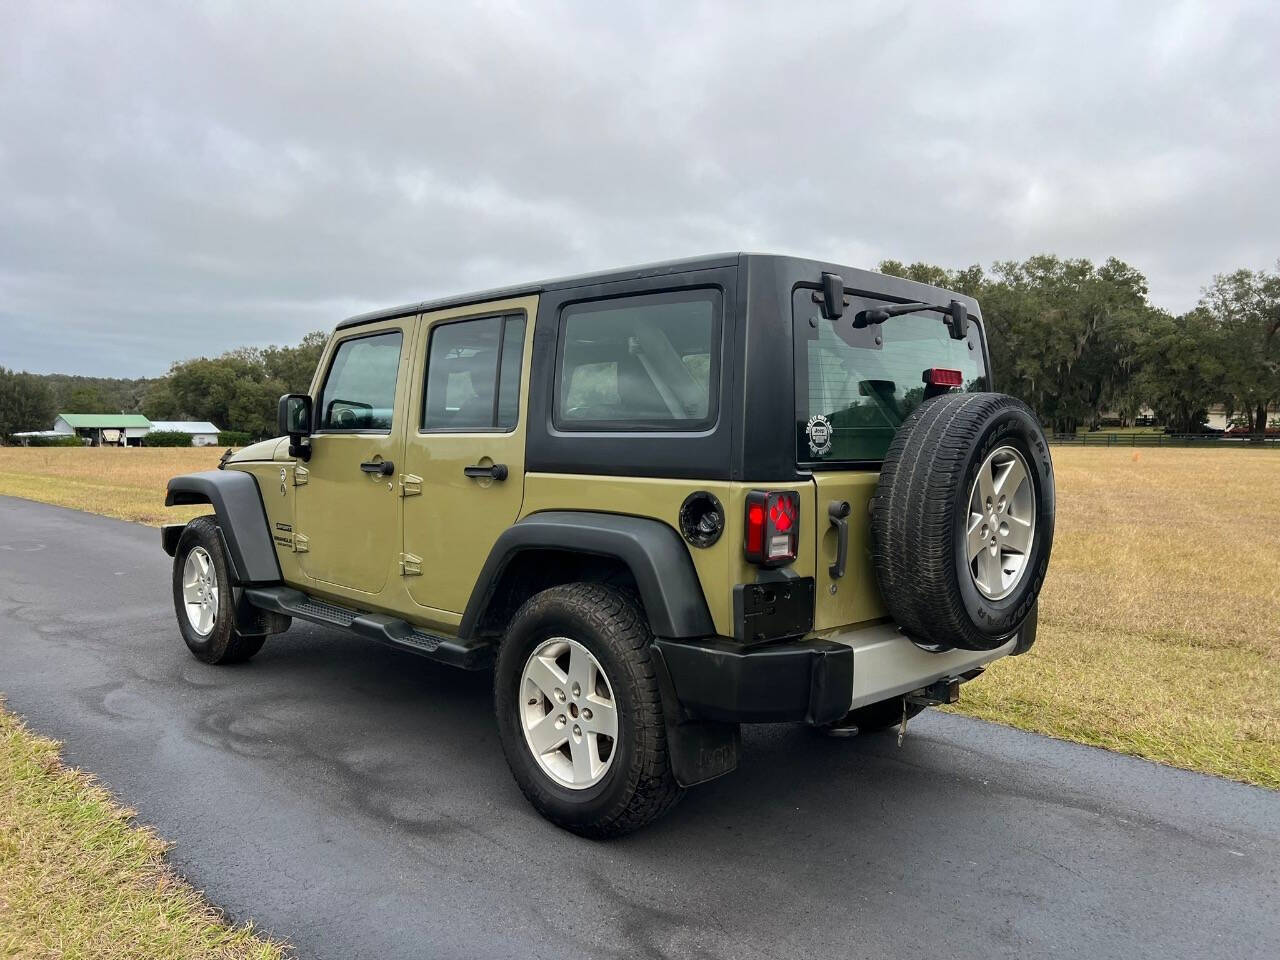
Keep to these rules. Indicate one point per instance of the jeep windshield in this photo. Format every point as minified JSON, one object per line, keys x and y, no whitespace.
{"x":854,"y":387}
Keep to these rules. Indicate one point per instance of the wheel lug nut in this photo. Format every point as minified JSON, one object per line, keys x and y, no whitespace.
{"x":559,"y":694}
{"x":577,"y":730}
{"x":577,"y":690}
{"x":586,"y":714}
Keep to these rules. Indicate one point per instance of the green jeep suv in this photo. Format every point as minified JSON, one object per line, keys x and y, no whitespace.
{"x":657,"y":502}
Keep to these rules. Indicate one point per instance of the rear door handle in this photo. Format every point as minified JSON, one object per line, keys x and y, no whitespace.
{"x":497,"y":471}
{"x":383,"y":468}
{"x":838,"y":514}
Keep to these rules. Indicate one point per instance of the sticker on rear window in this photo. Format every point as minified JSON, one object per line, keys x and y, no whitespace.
{"x":818,"y":430}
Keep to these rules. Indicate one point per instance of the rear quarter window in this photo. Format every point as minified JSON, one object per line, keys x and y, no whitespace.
{"x":639,"y":363}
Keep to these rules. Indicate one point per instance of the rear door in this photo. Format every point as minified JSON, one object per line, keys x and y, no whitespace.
{"x":463,"y":471}
{"x":347,"y":507}
{"x":854,"y":387}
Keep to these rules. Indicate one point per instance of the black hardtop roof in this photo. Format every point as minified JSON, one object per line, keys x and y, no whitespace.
{"x":854,"y":278}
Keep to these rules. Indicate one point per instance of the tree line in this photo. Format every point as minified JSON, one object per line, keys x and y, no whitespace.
{"x":1074,"y":339}
{"x":237,"y":391}
{"x":1077,"y":340}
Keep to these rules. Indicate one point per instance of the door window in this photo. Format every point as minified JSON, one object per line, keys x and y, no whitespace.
{"x":360,"y":389}
{"x":473,"y":375}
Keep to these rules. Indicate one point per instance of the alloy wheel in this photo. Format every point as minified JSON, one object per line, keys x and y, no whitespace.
{"x":1002,"y":523}
{"x":568,"y":713}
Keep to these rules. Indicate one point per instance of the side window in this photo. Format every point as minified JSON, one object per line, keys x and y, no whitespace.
{"x":360,"y":389}
{"x":473,"y":374}
{"x":644,"y":362}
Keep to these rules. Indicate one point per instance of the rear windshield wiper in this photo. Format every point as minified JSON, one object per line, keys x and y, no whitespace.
{"x":955,"y":315}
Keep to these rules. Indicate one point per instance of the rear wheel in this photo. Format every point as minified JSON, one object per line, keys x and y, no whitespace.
{"x":203,"y":597}
{"x":580,"y":713}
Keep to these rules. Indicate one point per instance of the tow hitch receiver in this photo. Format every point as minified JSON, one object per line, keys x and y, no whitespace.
{"x":946,"y":690}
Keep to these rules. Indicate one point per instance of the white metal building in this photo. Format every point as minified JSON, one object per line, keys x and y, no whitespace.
{"x":203,"y":433}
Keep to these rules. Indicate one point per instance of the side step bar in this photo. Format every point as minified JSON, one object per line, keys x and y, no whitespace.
{"x":468,"y":654}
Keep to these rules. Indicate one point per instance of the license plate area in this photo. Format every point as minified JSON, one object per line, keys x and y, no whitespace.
{"x":773,"y":609}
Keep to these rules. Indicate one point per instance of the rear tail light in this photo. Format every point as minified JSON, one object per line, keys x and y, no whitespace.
{"x":942,"y":377}
{"x":773,"y":527}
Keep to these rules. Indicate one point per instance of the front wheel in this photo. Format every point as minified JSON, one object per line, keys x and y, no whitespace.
{"x":203,"y":597}
{"x":580,"y":712}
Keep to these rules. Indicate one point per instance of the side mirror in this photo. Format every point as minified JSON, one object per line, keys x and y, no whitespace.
{"x":959,"y":315}
{"x":294,"y":418}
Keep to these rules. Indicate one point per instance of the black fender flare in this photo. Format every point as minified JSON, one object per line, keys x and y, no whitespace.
{"x":237,"y":502}
{"x":652,"y":550}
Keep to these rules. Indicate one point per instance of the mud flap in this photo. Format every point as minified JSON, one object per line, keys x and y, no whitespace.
{"x":699,"y":750}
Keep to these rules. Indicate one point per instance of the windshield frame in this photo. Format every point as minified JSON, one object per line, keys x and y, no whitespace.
{"x":802,"y":336}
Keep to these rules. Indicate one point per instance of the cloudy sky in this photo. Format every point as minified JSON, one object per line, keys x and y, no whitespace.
{"x":177,"y":179}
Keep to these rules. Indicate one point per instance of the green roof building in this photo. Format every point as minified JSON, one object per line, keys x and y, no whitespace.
{"x":121,"y":429}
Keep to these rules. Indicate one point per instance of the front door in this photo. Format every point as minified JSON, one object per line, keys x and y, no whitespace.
{"x":466,"y":450}
{"x":347,"y":528}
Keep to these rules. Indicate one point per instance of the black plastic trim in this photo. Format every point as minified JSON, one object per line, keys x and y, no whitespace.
{"x":653,"y":551}
{"x":699,"y":750}
{"x":773,"y":609}
{"x":373,"y":626}
{"x":237,"y":502}
{"x":170,"y":534}
{"x":720,"y":680}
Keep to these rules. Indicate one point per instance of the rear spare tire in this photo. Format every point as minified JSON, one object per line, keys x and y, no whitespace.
{"x":962,"y":520}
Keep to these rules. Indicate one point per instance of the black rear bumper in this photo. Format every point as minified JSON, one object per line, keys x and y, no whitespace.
{"x":722,"y":680}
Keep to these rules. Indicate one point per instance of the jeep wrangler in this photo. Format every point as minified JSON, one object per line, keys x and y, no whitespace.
{"x":658,"y":502}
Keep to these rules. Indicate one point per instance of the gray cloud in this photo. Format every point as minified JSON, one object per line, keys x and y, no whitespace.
{"x":176,"y":180}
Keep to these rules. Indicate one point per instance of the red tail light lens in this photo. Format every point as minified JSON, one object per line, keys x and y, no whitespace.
{"x":773,"y":527}
{"x":942,"y":377}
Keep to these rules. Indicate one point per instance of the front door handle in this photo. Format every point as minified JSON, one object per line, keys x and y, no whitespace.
{"x":497,"y":471}
{"x":838,"y":514}
{"x":384,"y":468}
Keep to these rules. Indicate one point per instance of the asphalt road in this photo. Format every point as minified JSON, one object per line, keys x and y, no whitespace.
{"x":354,"y":799}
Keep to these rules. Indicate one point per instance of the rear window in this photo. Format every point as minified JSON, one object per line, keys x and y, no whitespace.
{"x":855,"y":387}
{"x":640,"y":363}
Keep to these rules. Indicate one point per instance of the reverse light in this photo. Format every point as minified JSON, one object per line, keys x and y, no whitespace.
{"x":942,"y":377}
{"x":773,"y":527}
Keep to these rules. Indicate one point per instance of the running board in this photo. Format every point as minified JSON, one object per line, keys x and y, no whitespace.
{"x":468,"y":654}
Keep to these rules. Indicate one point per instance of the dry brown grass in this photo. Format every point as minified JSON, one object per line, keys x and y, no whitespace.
{"x":78,"y":879}
{"x":125,"y":483}
{"x":1160,"y":618}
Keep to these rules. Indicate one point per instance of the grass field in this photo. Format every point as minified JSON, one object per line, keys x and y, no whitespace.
{"x":1160,"y":618}
{"x":127,"y":484}
{"x":77,"y":879}
{"x":1159,"y":633}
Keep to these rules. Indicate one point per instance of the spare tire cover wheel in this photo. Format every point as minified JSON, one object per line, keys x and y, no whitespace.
{"x":962,"y":520}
